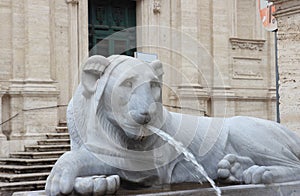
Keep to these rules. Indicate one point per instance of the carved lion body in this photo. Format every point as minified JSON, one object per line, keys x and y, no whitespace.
{"x":119,"y":95}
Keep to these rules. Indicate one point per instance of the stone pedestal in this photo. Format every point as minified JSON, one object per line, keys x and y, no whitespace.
{"x":32,"y":109}
{"x":35,"y":103}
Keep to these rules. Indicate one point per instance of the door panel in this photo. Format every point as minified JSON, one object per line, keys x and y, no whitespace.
{"x":108,"y":27}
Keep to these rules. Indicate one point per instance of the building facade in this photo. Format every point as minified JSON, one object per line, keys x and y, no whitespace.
{"x":288,"y":17}
{"x":218,"y":59}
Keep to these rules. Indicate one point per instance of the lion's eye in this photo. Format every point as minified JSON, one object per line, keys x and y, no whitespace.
{"x":127,"y":83}
{"x":155,"y":84}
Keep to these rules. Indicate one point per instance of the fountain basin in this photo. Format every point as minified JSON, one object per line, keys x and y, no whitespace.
{"x":276,"y":189}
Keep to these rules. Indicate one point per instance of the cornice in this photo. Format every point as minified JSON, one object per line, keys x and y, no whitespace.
{"x":73,"y":2}
{"x":286,"y":7}
{"x":250,"y":44}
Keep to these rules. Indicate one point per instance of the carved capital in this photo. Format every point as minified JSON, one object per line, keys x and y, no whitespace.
{"x":73,"y":2}
{"x":156,"y":6}
{"x":248,"y":44}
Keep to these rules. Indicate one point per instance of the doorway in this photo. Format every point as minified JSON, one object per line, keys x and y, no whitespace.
{"x":112,"y":27}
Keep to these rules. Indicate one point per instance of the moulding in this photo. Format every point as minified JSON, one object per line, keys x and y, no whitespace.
{"x":192,"y":91}
{"x":249,"y":44}
{"x":73,"y":2}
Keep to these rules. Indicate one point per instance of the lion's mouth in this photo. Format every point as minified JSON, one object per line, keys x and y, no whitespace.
{"x":137,"y":133}
{"x":143,"y":133}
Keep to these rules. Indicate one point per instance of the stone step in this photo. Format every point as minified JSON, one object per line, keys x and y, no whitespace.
{"x":57,"y":135}
{"x":21,"y":169}
{"x":27,"y":171}
{"x":45,"y":148}
{"x":36,"y":155}
{"x":9,"y":188}
{"x":18,"y":161}
{"x":54,"y":142}
{"x":62,"y":123}
{"x":5,"y":177}
{"x":62,"y":129}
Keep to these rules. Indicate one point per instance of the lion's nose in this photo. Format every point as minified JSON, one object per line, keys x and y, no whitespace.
{"x":141,"y":117}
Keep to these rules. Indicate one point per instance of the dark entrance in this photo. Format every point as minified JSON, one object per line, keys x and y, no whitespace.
{"x":111,"y":27}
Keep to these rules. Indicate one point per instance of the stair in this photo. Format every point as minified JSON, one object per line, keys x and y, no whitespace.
{"x":47,"y":148}
{"x":7,"y":177}
{"x":28,"y":170}
{"x":37,"y":155}
{"x":23,"y":169}
{"x":54,"y":141}
{"x":57,"y":135}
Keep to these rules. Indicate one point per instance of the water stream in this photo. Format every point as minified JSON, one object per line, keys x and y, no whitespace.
{"x":188,"y":155}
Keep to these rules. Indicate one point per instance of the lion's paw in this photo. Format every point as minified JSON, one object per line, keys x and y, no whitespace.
{"x":258,"y":174}
{"x":97,"y":185}
{"x":62,"y":178}
{"x":231,"y":168}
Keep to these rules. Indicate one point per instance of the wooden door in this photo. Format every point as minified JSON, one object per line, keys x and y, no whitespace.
{"x":111,"y":27}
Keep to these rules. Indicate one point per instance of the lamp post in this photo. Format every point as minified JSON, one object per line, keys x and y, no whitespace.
{"x":266,"y":11}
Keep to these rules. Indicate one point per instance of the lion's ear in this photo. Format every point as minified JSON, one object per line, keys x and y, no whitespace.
{"x":157,"y":66}
{"x":92,"y":69}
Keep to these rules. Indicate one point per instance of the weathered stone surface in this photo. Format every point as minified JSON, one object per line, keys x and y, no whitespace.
{"x":278,"y":189}
{"x":28,"y":170}
{"x":288,"y":16}
{"x":45,"y":43}
{"x":116,"y":116}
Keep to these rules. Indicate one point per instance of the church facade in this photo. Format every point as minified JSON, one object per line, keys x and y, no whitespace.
{"x":218,"y":59}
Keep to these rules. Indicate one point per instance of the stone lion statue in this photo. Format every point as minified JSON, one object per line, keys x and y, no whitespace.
{"x":117,"y":99}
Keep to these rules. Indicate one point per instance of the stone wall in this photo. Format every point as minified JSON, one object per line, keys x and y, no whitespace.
{"x":288,"y":17}
{"x":40,"y":55}
{"x":217,"y":58}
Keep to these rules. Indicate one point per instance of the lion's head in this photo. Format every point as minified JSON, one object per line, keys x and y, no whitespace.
{"x":128,"y":91}
{"x":111,"y":108}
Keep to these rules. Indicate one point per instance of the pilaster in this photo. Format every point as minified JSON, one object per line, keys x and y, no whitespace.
{"x":73,"y":43}
{"x":288,"y":16}
{"x":32,"y":87}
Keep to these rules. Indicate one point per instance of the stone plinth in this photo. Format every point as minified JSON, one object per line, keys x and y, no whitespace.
{"x":32,"y":113}
{"x":35,"y":102}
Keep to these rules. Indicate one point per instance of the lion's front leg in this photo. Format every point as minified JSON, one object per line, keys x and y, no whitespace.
{"x":231,"y":168}
{"x":63,"y":178}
